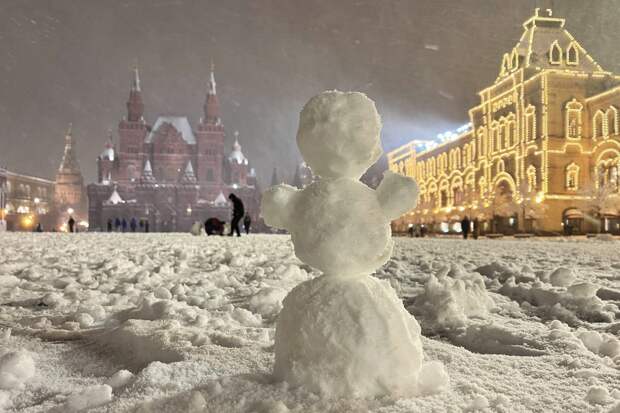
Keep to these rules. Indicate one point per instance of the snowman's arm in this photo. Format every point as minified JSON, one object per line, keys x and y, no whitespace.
{"x":397,"y":194}
{"x":276,"y":205}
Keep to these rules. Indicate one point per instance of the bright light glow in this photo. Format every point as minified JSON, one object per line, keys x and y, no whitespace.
{"x":37,"y":200}
{"x":70,"y":211}
{"x":540,"y":197}
{"x":83,"y":224}
{"x":444,"y":227}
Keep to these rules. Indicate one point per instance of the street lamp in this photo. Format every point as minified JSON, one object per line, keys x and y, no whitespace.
{"x":70,"y":211}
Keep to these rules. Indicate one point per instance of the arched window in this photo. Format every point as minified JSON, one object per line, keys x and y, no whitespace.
{"x":599,"y":124}
{"x":573,"y":119}
{"x":482,"y":136}
{"x":531,"y":178}
{"x":494,"y":141}
{"x":555,"y":53}
{"x":501,"y":135}
{"x":612,"y":121}
{"x":457,"y":158}
{"x":572,"y":55}
{"x":530,"y":123}
{"x":501,"y":166}
{"x":510,"y":131}
{"x":572,"y":177}
{"x":482,"y":185}
{"x":514,"y":59}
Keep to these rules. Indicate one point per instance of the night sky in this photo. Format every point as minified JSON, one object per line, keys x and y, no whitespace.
{"x":422,"y":61}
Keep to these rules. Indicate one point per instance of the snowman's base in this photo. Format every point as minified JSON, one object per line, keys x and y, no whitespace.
{"x":351,"y":337}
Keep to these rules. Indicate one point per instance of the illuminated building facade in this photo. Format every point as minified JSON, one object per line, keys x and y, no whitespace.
{"x":541,"y":151}
{"x":26,"y":201}
{"x":170,"y":173}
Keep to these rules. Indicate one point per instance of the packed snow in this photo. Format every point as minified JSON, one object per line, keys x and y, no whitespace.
{"x":521,"y":344}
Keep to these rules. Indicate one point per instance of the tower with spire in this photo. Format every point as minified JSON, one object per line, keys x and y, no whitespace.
{"x":69,"y":188}
{"x":132,"y":131}
{"x":210,"y":142}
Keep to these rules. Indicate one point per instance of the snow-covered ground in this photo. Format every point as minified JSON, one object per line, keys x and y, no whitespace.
{"x":176,"y":323}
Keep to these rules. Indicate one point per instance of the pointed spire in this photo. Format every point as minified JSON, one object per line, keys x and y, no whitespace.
{"x":212,"y":105}
{"x":69,"y":163}
{"x":212,"y":84}
{"x":188,"y":175}
{"x":135,"y":82}
{"x":135,"y":105}
{"x":115,"y":198}
{"x":147,"y":173}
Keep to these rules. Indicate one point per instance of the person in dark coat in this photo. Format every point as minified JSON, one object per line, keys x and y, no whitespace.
{"x":39,"y":228}
{"x":476,"y":228}
{"x":146,"y":226}
{"x":465,"y":227}
{"x":71,"y":224}
{"x":247,"y":222}
{"x":117,"y":224}
{"x":110,"y":225}
{"x":124,"y":225}
{"x":133,"y":224}
{"x":238,"y":213}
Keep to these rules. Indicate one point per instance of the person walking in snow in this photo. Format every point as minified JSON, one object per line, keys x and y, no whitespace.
{"x":238,"y":213}
{"x":476,"y":228}
{"x":124,"y":225}
{"x":247,"y":222}
{"x":71,"y":224}
{"x":110,"y":225}
{"x":133,"y":224}
{"x":146,"y":225}
{"x":465,"y":227}
{"x":117,"y":224}
{"x":39,"y":228}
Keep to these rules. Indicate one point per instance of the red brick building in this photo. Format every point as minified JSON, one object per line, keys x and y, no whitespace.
{"x":168,"y":172}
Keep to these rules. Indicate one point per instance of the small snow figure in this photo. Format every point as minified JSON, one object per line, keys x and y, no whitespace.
{"x":196,"y":229}
{"x":238,"y":212}
{"x":71,"y":224}
{"x":346,"y":333}
{"x":247,"y":222}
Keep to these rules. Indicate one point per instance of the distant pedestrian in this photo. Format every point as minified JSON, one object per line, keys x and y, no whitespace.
{"x":39,"y":228}
{"x":465,"y":223}
{"x":124,"y":225}
{"x":237,"y":215}
{"x":133,"y":224}
{"x":411,"y":230}
{"x":247,"y":223}
{"x":71,"y":224}
{"x":110,"y":224}
{"x":146,"y":225}
{"x":117,"y":224}
{"x":476,"y":233}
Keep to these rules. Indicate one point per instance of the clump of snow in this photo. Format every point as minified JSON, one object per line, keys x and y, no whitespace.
{"x":16,"y":368}
{"x":451,"y":297}
{"x":89,"y":397}
{"x":120,"y":379}
{"x":562,"y":277}
{"x":598,"y":395}
{"x":267,"y":301}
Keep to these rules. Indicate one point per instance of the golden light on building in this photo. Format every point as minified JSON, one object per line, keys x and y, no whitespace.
{"x":541,"y":150}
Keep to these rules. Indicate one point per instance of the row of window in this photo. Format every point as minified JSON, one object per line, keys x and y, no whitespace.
{"x":557,"y":56}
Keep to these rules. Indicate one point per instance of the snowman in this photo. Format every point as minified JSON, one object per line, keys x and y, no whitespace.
{"x":346,"y":333}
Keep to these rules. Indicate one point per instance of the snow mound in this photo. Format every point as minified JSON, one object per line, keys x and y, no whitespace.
{"x":562,"y":277}
{"x":267,"y":301}
{"x":16,"y":368}
{"x":333,"y":330}
{"x":451,"y":297}
{"x":89,"y":397}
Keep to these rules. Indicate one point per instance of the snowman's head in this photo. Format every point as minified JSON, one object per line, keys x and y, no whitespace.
{"x":339,"y":134}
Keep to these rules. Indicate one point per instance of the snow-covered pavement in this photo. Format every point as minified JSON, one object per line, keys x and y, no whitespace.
{"x":176,"y":323}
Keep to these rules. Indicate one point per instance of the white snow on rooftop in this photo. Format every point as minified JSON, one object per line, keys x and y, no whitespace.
{"x":180,"y":123}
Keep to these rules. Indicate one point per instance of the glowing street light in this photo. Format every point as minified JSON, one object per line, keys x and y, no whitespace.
{"x":70,"y":211}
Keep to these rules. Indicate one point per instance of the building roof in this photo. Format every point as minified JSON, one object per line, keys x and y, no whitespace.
{"x":541,"y":35}
{"x":180,"y":123}
{"x":115,"y":198}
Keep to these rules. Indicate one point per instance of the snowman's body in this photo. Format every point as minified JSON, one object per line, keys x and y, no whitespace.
{"x":345,"y":333}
